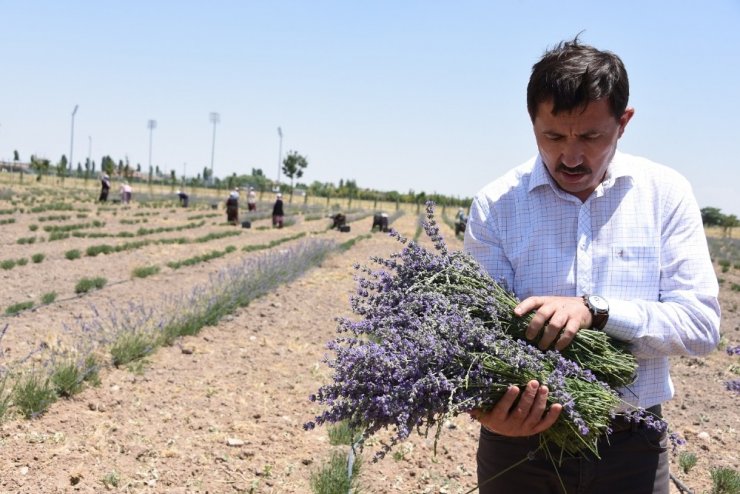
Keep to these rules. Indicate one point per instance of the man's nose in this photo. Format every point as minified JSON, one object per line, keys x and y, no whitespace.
{"x":572,"y":155}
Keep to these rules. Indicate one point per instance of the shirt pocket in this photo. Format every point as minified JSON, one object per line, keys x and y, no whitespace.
{"x":634,"y":272}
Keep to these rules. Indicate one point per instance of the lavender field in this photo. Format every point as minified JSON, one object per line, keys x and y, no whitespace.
{"x":232,"y":325}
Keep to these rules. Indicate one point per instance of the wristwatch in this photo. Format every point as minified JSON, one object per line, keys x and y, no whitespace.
{"x":599,"y":308}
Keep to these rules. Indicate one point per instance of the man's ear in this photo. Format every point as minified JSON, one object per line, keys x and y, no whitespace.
{"x":629,"y":112}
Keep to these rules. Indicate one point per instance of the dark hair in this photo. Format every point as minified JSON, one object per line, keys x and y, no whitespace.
{"x":573,"y":75}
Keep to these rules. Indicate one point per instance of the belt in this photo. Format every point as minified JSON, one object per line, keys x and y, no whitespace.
{"x":624,"y":422}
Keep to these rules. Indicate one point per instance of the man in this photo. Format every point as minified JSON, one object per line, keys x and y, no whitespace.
{"x":588,"y":237}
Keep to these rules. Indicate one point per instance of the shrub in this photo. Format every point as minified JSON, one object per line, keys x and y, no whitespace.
{"x":341,"y":434}
{"x":22,"y":261}
{"x":67,"y":378}
{"x":111,"y":480}
{"x":686,"y":461}
{"x":7,"y":264}
{"x":33,"y":228}
{"x":92,"y":370}
{"x":332,"y":478}
{"x":73,"y":254}
{"x":33,"y":394}
{"x":48,"y":298}
{"x":5,"y":397}
{"x":87,"y":284}
{"x":19,"y":307}
{"x":37,"y":258}
{"x":725,"y":481}
{"x":58,"y":236}
{"x":144,"y":271}
{"x":26,"y":240}
{"x":130,"y":347}
{"x":94,"y":250}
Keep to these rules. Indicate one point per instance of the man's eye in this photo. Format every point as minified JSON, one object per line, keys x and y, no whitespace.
{"x":554,"y":137}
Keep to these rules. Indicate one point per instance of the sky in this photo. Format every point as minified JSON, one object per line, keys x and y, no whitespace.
{"x":395,"y":95}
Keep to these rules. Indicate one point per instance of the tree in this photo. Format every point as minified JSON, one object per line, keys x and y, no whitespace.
{"x":40,"y":166}
{"x":729,"y":222}
{"x":711,"y":216}
{"x":293,"y":166}
{"x":62,"y":167}
{"x":108,"y":165}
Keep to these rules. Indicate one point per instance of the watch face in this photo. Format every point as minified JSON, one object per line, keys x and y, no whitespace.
{"x":598,"y":303}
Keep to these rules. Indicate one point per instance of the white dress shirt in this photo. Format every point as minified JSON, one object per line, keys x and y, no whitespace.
{"x":637,"y":241}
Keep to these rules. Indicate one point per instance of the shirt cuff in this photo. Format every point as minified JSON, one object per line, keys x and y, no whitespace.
{"x":625,"y":322}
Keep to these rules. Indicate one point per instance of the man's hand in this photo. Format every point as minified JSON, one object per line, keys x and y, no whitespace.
{"x":557,"y":318}
{"x":527,"y":418}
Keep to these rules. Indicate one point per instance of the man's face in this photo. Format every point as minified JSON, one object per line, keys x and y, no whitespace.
{"x":578,"y":146}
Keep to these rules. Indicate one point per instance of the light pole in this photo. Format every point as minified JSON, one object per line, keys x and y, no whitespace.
{"x":280,"y":156}
{"x":214,"y":118}
{"x":151,"y":125}
{"x":72,"y":137}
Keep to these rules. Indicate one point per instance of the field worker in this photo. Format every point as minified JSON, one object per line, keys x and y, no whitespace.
{"x":590,"y":237}
{"x":104,"y":187}
{"x":277,"y":211}
{"x":183,"y":198}
{"x":232,"y":208}
{"x":126,"y":192}
{"x":251,"y":200}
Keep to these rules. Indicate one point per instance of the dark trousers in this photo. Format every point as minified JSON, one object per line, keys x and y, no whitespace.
{"x":632,"y":461}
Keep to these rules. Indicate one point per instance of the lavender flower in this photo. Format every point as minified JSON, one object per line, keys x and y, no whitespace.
{"x":733,"y":385}
{"x":437,"y":337}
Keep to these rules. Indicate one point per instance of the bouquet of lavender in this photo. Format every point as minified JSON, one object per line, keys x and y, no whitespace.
{"x":436,"y":337}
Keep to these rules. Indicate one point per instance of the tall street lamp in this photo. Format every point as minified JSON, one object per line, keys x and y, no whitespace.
{"x":72,"y":137}
{"x":214,"y":118}
{"x":280,"y":156}
{"x":151,"y":125}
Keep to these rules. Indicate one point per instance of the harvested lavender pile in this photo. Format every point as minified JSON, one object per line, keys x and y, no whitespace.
{"x":437,"y":337}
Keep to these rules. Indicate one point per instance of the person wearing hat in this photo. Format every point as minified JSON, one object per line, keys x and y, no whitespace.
{"x":232,"y":207}
{"x":251,"y":200}
{"x":183,"y":198}
{"x":104,"y":188}
{"x":277,"y":211}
